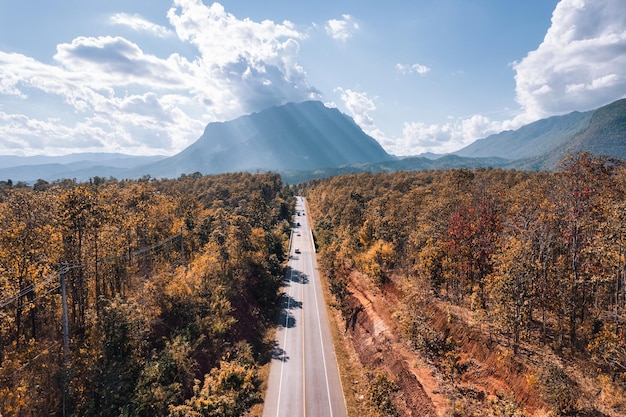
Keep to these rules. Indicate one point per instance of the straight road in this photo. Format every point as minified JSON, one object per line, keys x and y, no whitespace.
{"x":304,"y":378}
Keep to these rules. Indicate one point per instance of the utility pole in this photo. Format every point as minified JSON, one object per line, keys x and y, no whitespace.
{"x":182,"y":248}
{"x":66,"y":333}
{"x":66,"y":336}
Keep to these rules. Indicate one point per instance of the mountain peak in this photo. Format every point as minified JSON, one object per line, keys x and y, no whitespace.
{"x":294,"y":136}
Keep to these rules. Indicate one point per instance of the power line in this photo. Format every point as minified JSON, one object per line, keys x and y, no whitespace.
{"x":66,"y":267}
{"x":26,"y":290}
{"x":44,"y":351}
{"x":63,"y":269}
{"x":124,"y":256}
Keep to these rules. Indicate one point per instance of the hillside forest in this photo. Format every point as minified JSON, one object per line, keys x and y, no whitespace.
{"x":139,"y":298}
{"x":508,"y":286}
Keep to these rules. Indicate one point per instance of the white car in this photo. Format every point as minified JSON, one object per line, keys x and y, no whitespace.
{"x":297,"y":250}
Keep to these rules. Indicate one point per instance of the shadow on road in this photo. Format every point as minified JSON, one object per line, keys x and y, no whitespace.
{"x":285,"y":318}
{"x":279,"y":353}
{"x":288,"y":303}
{"x":298,"y":277}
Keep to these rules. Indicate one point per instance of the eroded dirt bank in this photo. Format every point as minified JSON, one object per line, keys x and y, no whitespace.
{"x":488,"y":374}
{"x":376,"y":347}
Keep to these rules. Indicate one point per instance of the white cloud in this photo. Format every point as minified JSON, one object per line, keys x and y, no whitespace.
{"x":106,"y":93}
{"x":140,"y":24}
{"x":419,"y":137}
{"x":223,"y":39}
{"x":343,"y":29}
{"x":412,"y":69}
{"x":359,"y":106}
{"x":256,"y":62}
{"x":581,"y":63}
{"x":115,"y":61}
{"x":90,"y":88}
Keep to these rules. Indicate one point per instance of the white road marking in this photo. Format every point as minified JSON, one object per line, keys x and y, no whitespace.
{"x":282,"y":365}
{"x":319,"y":326}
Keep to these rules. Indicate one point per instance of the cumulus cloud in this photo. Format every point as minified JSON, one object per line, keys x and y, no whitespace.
{"x":107,"y":93}
{"x":256,"y":62}
{"x":419,"y":137}
{"x":359,"y":106}
{"x":581,"y":63}
{"x":412,"y":69}
{"x":114,"y":61}
{"x":342,"y":29}
{"x":87,"y":91}
{"x":140,"y":24}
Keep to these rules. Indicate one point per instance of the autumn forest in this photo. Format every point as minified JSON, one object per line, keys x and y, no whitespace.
{"x":507,"y":284}
{"x":156,"y":297}
{"x":170,"y":287}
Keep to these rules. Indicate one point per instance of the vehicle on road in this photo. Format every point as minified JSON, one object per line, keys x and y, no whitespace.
{"x":297,"y":250}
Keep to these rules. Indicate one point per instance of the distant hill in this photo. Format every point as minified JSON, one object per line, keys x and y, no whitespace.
{"x":544,"y":143}
{"x":295,"y":136}
{"x":79,"y":166}
{"x":414,"y":163}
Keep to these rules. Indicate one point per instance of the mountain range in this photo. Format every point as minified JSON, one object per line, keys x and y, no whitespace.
{"x":543,"y":144}
{"x":307,"y":140}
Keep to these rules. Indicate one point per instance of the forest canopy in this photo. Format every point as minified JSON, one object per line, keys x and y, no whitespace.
{"x":170,"y":287}
{"x":538,"y":257}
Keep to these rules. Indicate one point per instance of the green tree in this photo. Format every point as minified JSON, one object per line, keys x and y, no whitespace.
{"x":227,"y":391}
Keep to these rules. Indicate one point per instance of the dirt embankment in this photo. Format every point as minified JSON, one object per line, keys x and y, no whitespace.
{"x":377,"y":348}
{"x":488,"y":372}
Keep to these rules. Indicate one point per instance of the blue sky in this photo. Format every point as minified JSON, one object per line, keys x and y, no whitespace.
{"x":146,"y":76}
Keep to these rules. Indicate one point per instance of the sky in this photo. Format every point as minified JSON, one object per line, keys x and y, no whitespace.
{"x":145,"y":77}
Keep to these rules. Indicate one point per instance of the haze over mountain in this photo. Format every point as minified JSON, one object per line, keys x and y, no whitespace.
{"x":308,"y":140}
{"x":80,"y":166}
{"x":295,"y":136}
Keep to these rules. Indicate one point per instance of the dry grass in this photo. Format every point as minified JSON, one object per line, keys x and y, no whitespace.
{"x":611,"y":395}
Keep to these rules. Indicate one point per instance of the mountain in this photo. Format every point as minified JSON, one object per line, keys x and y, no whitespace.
{"x":294,"y":136}
{"x":80,"y":166}
{"x":544,"y":143}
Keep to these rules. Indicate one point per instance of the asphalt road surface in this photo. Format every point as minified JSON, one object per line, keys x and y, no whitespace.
{"x":304,"y":378}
